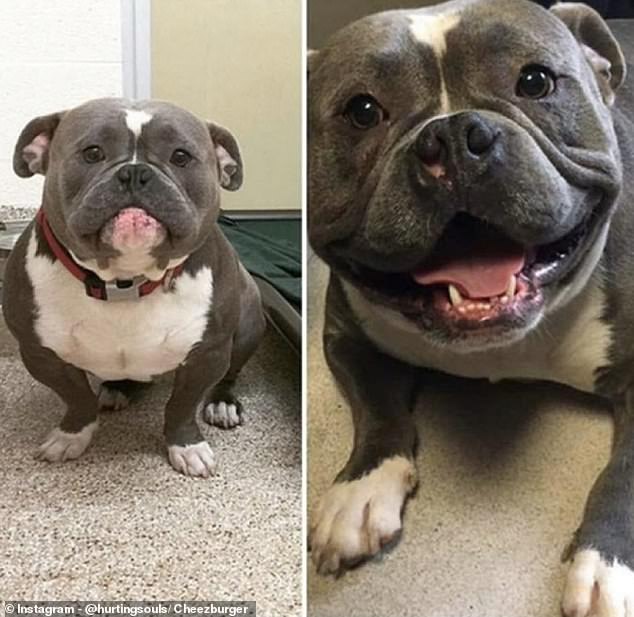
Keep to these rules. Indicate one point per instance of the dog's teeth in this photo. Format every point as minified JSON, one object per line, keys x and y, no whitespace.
{"x":510,"y":290}
{"x":455,"y":296}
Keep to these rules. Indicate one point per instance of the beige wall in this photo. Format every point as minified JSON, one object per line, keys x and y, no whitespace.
{"x":239,"y":64}
{"x":326,"y":16}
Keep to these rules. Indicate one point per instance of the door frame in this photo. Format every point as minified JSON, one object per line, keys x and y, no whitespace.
{"x":136,"y":28}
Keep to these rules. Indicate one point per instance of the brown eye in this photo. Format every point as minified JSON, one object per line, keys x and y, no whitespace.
{"x":364,"y":112}
{"x":535,"y":82}
{"x":180,"y":158}
{"x":93,"y":154}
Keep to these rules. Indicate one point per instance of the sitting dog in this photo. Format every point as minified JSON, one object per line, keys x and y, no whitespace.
{"x":471,"y":187}
{"x":125,"y":275}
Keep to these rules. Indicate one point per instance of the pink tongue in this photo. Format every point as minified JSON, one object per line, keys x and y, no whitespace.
{"x":481,"y":271}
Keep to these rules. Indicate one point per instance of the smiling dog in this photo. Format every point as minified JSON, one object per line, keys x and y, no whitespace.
{"x":471,"y":183}
{"x":125,"y":274}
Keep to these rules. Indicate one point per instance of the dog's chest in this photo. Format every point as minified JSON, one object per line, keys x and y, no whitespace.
{"x":118,"y":340}
{"x":567,"y":351}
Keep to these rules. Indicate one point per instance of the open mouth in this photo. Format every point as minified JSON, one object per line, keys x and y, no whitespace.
{"x":476,"y":277}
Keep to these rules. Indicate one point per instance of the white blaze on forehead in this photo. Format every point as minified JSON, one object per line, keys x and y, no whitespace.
{"x":135,"y":119}
{"x":432,"y":30}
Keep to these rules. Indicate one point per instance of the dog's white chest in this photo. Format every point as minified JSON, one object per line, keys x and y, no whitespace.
{"x":118,"y":340}
{"x":567,"y":351}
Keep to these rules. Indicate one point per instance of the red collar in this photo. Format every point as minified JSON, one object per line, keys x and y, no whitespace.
{"x":131,"y":289}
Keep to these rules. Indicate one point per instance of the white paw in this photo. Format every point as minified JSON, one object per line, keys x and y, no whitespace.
{"x":194,"y":460}
{"x":595,"y":588}
{"x":224,"y":415}
{"x":353,"y":520}
{"x":111,"y":399}
{"x":62,"y":446}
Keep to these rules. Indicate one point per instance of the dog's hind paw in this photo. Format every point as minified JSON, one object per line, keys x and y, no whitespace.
{"x":111,"y":399}
{"x":224,"y":414}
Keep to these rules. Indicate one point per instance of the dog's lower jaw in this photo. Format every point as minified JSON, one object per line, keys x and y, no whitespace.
{"x":127,"y":266}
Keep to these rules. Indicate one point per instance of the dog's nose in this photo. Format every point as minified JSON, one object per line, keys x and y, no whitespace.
{"x":135,"y":176}
{"x":480,"y":137}
{"x":455,"y":139}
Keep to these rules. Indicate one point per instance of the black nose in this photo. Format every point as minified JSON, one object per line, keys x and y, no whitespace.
{"x":456,"y":138}
{"x":135,"y":176}
{"x":480,"y":137}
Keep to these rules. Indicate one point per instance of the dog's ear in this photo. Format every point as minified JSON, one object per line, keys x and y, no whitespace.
{"x":230,"y":167}
{"x":598,"y":44}
{"x":30,"y":155}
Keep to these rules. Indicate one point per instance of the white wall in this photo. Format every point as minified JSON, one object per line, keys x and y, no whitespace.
{"x":53,"y":54}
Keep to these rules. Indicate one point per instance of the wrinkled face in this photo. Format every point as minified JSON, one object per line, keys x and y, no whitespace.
{"x":127,"y":178}
{"x":462,"y":165}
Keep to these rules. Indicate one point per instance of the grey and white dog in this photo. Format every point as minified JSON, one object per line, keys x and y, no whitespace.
{"x":471,"y":183}
{"x":125,"y":274}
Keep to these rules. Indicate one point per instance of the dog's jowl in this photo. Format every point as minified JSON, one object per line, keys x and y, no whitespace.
{"x":471,"y":186}
{"x":125,"y":275}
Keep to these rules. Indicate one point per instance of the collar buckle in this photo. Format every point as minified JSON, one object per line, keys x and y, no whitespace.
{"x":121,"y":291}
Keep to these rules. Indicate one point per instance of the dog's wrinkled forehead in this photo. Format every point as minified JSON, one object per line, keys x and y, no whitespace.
{"x":109,"y":121}
{"x":437,"y":47}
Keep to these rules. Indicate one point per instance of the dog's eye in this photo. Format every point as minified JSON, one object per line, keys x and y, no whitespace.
{"x":93,"y":154}
{"x":364,"y":112}
{"x":180,"y":158}
{"x":535,"y":82}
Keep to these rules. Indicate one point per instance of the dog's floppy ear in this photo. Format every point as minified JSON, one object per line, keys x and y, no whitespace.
{"x":30,"y":155}
{"x":597,"y":42}
{"x":230,"y":167}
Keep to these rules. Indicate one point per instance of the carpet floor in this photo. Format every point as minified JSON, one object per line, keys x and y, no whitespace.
{"x":120,"y":524}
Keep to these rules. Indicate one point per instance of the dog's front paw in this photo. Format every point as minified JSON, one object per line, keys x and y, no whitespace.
{"x":596,"y":587}
{"x":62,"y":446}
{"x":196,"y":460}
{"x":223,"y":414}
{"x":353,"y":520}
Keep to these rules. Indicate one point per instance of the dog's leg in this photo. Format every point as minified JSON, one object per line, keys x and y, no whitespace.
{"x":76,"y":429}
{"x":221,"y":407}
{"x":361,"y":512}
{"x":188,"y":451}
{"x":600,"y":580}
